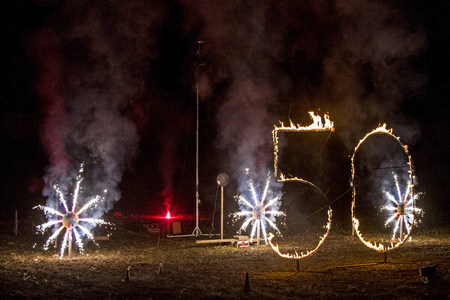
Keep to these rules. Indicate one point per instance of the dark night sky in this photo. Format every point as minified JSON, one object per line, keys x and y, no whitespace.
{"x":112,"y":84}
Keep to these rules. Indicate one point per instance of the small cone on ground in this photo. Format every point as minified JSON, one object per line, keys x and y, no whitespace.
{"x":160,"y":270}
{"x":247,"y":284}
{"x":127,"y":278}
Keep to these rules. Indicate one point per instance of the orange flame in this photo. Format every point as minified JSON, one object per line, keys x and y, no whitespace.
{"x":301,"y":255}
{"x":317,"y":125}
{"x":370,"y":244}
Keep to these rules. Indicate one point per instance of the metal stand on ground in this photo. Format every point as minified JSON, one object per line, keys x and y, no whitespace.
{"x":222,"y":180}
{"x":69,"y":254}
{"x":221,"y":212}
{"x":197,"y":232}
{"x":258,"y":228}
{"x":401,"y":227}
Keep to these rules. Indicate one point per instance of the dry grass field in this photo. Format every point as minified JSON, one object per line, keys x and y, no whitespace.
{"x":343,"y":268}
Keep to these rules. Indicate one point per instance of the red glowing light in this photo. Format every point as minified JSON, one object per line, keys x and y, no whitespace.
{"x":168,"y":215}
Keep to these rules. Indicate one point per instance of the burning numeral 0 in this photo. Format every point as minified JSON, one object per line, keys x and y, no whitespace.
{"x":401,"y":206}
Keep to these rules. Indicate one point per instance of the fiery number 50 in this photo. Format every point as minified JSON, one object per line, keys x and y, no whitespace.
{"x":403,"y":209}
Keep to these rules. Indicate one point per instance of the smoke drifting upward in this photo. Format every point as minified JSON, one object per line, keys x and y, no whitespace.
{"x":244,"y":130}
{"x":270,"y":60}
{"x":371,"y":67}
{"x":265,"y":61}
{"x":50,"y":89}
{"x":167,"y":165}
{"x":243,"y":45}
{"x":94,"y":59}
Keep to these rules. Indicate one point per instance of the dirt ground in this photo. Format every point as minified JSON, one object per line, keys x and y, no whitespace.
{"x":178,"y":268}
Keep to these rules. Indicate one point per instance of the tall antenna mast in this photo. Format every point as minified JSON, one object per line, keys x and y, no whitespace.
{"x":197,"y":230}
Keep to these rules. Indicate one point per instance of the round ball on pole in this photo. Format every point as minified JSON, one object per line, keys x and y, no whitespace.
{"x":223,"y":179}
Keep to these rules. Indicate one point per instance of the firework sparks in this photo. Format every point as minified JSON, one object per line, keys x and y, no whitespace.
{"x":261,"y":214}
{"x":70,"y":219}
{"x":402,"y":208}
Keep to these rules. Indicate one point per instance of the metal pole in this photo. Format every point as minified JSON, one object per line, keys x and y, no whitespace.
{"x":221,"y":216}
{"x":257,"y":232}
{"x":70,"y":243}
{"x":197,"y":200}
{"x":401,"y":227}
{"x":197,"y":231}
{"x":16,"y":223}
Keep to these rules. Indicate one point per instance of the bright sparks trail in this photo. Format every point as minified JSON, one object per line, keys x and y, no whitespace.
{"x":261,"y":213}
{"x":401,"y":208}
{"x":70,"y":220}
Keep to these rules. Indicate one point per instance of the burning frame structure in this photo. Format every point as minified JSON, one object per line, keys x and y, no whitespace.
{"x":403,"y":208}
{"x":316,"y":126}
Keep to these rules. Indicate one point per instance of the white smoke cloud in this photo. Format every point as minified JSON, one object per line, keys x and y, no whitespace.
{"x":354,"y":59}
{"x":103,"y":51}
{"x":266,"y":61}
{"x":370,"y":67}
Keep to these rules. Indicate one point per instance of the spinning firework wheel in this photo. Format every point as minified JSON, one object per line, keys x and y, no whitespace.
{"x":69,"y":219}
{"x":400,"y":202}
{"x":260,"y":211}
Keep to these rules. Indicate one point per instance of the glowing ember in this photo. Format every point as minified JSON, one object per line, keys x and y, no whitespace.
{"x":404,"y":210}
{"x":301,"y":255}
{"x":69,"y":219}
{"x":401,"y":208}
{"x":260,"y":214}
{"x":316,"y":126}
